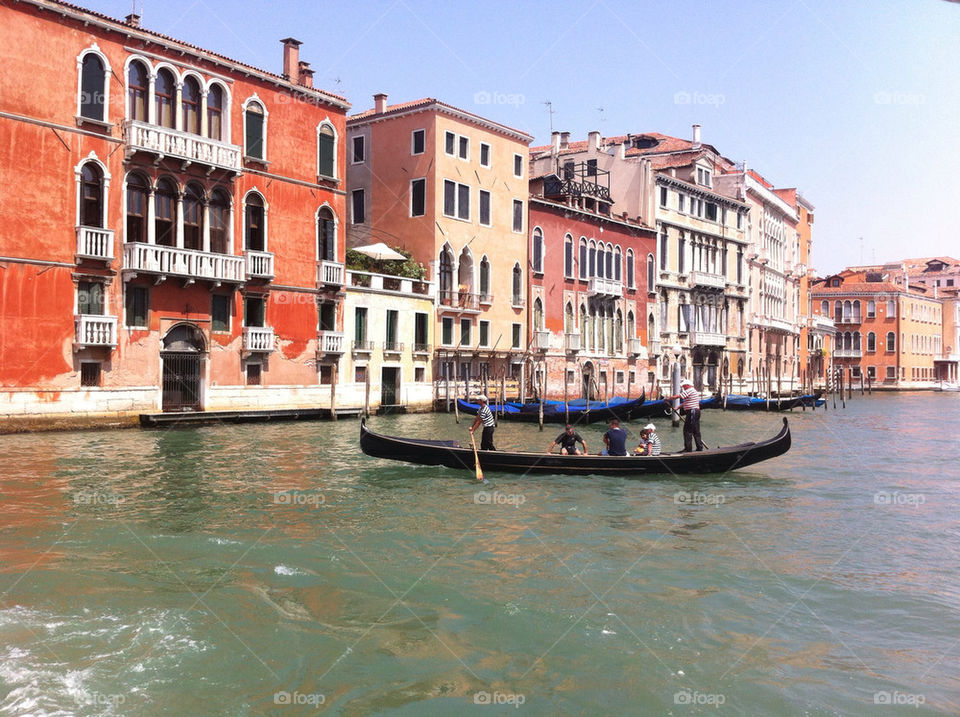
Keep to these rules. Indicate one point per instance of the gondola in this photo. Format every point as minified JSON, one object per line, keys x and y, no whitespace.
{"x":553,"y":411}
{"x":736,"y":402}
{"x":452,"y":455}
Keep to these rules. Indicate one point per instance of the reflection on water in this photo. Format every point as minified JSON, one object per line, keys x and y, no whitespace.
{"x":210,"y":570}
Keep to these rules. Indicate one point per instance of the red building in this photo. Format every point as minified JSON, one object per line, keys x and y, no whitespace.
{"x":590,"y":277}
{"x":172,"y":233}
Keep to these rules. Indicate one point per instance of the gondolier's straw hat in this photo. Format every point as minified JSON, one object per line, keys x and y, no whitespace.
{"x":650,"y":427}
{"x":685,"y":382}
{"x":483,"y":398}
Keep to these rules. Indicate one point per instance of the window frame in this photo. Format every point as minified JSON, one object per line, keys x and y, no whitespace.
{"x":485,"y":149}
{"x":518,"y":163}
{"x":358,"y":141}
{"x":254,"y":99}
{"x":94,"y":50}
{"x":128,"y":294}
{"x":517,"y":204}
{"x":363,"y":206}
{"x":421,"y":182}
{"x":413,"y":141}
{"x":480,"y":196}
{"x":536,"y":267}
{"x":328,"y":124}
{"x":213,"y":306}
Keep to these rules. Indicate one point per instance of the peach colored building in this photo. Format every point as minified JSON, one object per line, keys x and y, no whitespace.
{"x":947,"y":365}
{"x":450,"y":187}
{"x":175,"y":240}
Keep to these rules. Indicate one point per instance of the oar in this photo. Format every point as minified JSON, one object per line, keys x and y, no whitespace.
{"x":476,"y":458}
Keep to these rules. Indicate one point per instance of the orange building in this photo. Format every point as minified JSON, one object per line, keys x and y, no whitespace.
{"x":450,"y":187}
{"x":173,"y":222}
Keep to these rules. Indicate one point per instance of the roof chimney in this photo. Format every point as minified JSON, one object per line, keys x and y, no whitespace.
{"x":564,"y":140}
{"x":133,"y":19}
{"x":305,"y":73}
{"x":380,"y":102}
{"x":594,"y":138}
{"x":554,"y":142}
{"x":291,"y":59}
{"x":696,"y":136}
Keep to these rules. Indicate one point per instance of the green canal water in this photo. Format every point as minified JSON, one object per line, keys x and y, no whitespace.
{"x":273,"y":569}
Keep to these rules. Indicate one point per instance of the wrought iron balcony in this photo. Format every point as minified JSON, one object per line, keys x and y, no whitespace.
{"x":706,"y":278}
{"x":541,"y":340}
{"x":459,"y":301}
{"x":258,"y":339}
{"x":598,"y":286}
{"x":362,"y":347}
{"x":572,"y":341}
{"x":707,"y":338}
{"x":330,"y":342}
{"x":392,"y":347}
{"x":95,"y":243}
{"x":188,"y":263}
{"x":166,"y":142}
{"x":330,"y":273}
{"x":259,"y":264}
{"x":94,"y":331}
{"x":421,"y":348}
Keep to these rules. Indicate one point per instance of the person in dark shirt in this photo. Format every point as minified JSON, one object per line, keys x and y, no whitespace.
{"x":616,"y":439}
{"x":568,"y":441}
{"x":484,"y":418}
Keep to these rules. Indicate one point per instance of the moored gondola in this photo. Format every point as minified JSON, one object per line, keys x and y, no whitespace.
{"x":554,"y":412}
{"x":452,"y":455}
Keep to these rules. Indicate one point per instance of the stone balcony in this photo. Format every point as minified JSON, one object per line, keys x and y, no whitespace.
{"x":824,"y":324}
{"x":653,"y":348}
{"x":94,"y":243}
{"x":847,"y":353}
{"x":258,"y":339}
{"x":94,"y":331}
{"x":541,"y":340}
{"x":605,"y":287}
{"x":637,"y":348}
{"x":330,"y":342}
{"x":708,"y":279}
{"x":330,"y":273}
{"x":184,"y":146}
{"x":140,"y":258}
{"x":707,"y":338}
{"x":773,"y":323}
{"x":392,"y":347}
{"x":259,"y":264}
{"x":572,"y":341}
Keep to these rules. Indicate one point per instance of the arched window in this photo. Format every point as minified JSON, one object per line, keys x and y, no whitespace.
{"x":856,"y":311}
{"x":537,"y":251}
{"x":856,"y":340}
{"x":165,"y":213}
{"x":326,"y":144}
{"x":613,"y":265}
{"x":631,"y":279}
{"x":215,"y":112}
{"x":825,"y":308}
{"x":538,"y":315}
{"x":326,"y":235}
{"x":651,"y":333}
{"x":871,"y":341}
{"x":254,"y":224}
{"x":651,"y":272}
{"x":593,"y":259}
{"x":137,"y":193}
{"x":138,"y":91}
{"x":617,"y":270}
{"x":517,"y":285}
{"x":617,"y":343}
{"x":446,"y":275}
{"x":220,"y":222}
{"x":891,"y":341}
{"x":164,"y":98}
{"x":583,"y":258}
{"x":193,"y":217}
{"x":568,"y":256}
{"x":871,"y":309}
{"x":583,"y":326}
{"x":838,"y":312}
{"x":91,"y":195}
{"x":93,"y":89}
{"x":847,"y":311}
{"x":485,"y":279}
{"x":631,"y":326}
{"x":254,"y":130}
{"x":568,"y":326}
{"x":190,"y":105}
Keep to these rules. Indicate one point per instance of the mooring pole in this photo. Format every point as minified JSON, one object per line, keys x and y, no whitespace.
{"x":333,"y":393}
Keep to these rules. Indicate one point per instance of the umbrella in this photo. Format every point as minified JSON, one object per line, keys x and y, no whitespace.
{"x":380,"y":252}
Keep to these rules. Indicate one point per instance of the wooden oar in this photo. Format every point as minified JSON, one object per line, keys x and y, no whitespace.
{"x":476,"y":458}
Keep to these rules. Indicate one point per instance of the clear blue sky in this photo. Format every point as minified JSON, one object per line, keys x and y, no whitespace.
{"x":857,"y":104}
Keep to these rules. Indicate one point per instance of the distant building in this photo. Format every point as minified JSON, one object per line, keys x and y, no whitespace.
{"x":174,"y":236}
{"x":940,"y":272}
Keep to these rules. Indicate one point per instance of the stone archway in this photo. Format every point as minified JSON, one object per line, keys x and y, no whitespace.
{"x":182,"y":352}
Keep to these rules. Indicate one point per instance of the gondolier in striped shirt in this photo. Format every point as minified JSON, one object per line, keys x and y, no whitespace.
{"x":690,"y":407}
{"x":485,"y":418}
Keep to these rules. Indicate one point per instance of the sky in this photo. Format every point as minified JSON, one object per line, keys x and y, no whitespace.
{"x":855,"y":103}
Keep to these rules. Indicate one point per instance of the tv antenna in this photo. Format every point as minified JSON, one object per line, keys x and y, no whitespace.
{"x":550,"y":112}
{"x":600,"y":110}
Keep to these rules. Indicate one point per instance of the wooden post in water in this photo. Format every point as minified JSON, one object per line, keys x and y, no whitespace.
{"x":543,"y":380}
{"x":629,"y":381}
{"x":779,"y":383}
{"x":861,"y":381}
{"x":849,"y":383}
{"x":333,"y":392}
{"x":503,"y":390}
{"x":456,"y":395}
{"x":447,"y":391}
{"x":843,"y":400}
{"x":366,"y":392}
{"x":566,"y":406}
{"x":869,"y":386}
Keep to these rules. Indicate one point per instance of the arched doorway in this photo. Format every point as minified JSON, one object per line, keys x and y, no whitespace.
{"x":588,"y":390}
{"x":182,"y":354}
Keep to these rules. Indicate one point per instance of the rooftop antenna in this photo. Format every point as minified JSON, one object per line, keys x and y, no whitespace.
{"x":861,"y":250}
{"x":600,"y":110}
{"x":550,"y":111}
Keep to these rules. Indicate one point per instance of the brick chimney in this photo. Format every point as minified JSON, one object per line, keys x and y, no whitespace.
{"x":696,"y":136}
{"x":594,"y":140}
{"x":380,"y":103}
{"x":133,"y":19}
{"x":305,"y":73}
{"x":291,"y":59}
{"x":555,"y":142}
{"x":564,"y":140}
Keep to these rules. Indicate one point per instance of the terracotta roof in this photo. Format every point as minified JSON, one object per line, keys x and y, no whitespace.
{"x":666,"y":161}
{"x":203,"y":52}
{"x":425,"y":102}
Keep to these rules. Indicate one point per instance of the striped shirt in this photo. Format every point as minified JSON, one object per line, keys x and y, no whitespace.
{"x":690,"y":398}
{"x":653,"y":440}
{"x":486,"y":416}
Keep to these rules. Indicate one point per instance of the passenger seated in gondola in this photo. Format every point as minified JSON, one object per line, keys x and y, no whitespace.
{"x":649,"y":442}
{"x":616,"y":440}
{"x":568,"y":441}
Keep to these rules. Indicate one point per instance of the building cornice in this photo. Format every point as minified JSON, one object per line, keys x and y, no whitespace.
{"x":591,"y":216}
{"x":701,"y":191}
{"x":443,"y":108}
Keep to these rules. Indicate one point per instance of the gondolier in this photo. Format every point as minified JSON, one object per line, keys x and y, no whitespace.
{"x":690,"y":408}
{"x":484,"y":418}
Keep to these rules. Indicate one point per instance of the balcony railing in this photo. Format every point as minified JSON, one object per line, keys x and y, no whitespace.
{"x":572,"y":341}
{"x":653,"y":348}
{"x":852,"y":319}
{"x":775,"y":324}
{"x":258,"y":338}
{"x":94,"y":243}
{"x":421,"y":348}
{"x":821,"y":323}
{"x":604,"y":287}
{"x":847,"y":353}
{"x":462,"y":300}
{"x":485,"y":299}
{"x":706,"y":278}
{"x":636,"y":347}
{"x":707,"y":338}
{"x":166,"y":142}
{"x":330,"y":273}
{"x":517,"y":302}
{"x":392,"y":347}
{"x":94,"y":330}
{"x":541,"y":340}
{"x":362,"y":347}
{"x":330,"y":342}
{"x":259,"y":264}
{"x":168,"y":260}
